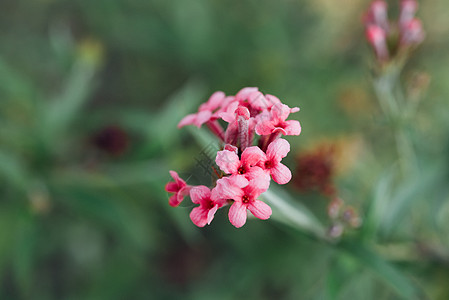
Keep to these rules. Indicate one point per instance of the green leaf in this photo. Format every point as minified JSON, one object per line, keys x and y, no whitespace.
{"x":15,"y":85}
{"x":24,"y":254}
{"x":407,"y":194}
{"x":13,"y":170}
{"x":380,"y":204}
{"x":61,"y":111}
{"x":384,"y":270}
{"x":163,"y":125}
{"x":291,"y":213}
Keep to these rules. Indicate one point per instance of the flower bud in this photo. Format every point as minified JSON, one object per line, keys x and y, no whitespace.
{"x":412,"y":33}
{"x":376,"y":36}
{"x":407,"y":11}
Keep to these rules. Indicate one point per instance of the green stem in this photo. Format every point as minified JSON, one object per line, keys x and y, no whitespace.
{"x":393,"y":108}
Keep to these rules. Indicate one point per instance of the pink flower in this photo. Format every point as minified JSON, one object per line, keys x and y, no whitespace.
{"x":377,"y":14}
{"x":412,"y":33}
{"x":271,"y":163}
{"x":229,"y":162}
{"x":245,"y":196}
{"x":203,"y":214}
{"x":274,"y":121}
{"x":241,"y":125}
{"x":376,"y":36}
{"x":244,"y":93}
{"x":408,"y":10}
{"x":205,"y":112}
{"x":179,"y":188}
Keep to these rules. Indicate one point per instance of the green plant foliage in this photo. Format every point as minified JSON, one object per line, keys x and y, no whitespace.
{"x":91,"y":93}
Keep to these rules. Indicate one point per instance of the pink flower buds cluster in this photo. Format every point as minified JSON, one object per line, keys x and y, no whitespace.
{"x":388,"y":39}
{"x":245,"y":170}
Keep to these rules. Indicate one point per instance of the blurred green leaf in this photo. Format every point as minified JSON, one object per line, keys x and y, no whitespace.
{"x":384,"y":270}
{"x":407,"y":194}
{"x":291,"y":213}
{"x":15,"y":85}
{"x":13,"y":170}
{"x":163,"y":125}
{"x":61,"y":111}
{"x":380,"y":204}
{"x":118,"y":214}
{"x":26,"y":239}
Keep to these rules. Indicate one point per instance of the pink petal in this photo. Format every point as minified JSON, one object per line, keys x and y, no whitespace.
{"x":174,"y":200}
{"x":232,"y":148}
{"x":171,"y":187}
{"x":292,"y":127}
{"x":199,"y":193}
{"x":211,"y":214}
{"x":237,"y":214}
{"x":252,"y":155}
{"x":258,"y":101}
{"x":228,"y":161}
{"x":278,"y":149}
{"x":229,"y":188}
{"x":202,"y":117}
{"x":257,"y":185}
{"x":256,"y":173}
{"x":280,"y":130}
{"x":183,"y":192}
{"x":264,"y":127}
{"x":229,"y":114}
{"x":239,"y":182}
{"x":187,"y":120}
{"x":260,"y":209}
{"x":294,"y":109}
{"x":198,"y":215}
{"x":215,"y":100}
{"x":244,"y":93}
{"x":176,"y":177}
{"x":281,"y":174}
{"x":280,"y":112}
{"x":273,"y":100}
{"x":242,"y":111}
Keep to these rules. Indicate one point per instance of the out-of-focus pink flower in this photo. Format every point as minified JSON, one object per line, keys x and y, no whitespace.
{"x":377,"y":15}
{"x":377,"y":38}
{"x":271,"y":162}
{"x":245,"y":198}
{"x":402,"y":35}
{"x":244,"y":93}
{"x":203,"y":214}
{"x":412,"y":33}
{"x":407,"y":12}
{"x":229,"y":162}
{"x":206,"y":111}
{"x":274,"y":121}
{"x":179,"y":188}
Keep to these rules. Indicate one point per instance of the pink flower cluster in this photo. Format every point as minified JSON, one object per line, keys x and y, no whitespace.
{"x":388,"y":38}
{"x":245,"y":170}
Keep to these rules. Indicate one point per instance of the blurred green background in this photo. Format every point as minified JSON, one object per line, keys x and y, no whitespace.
{"x":90,"y":96}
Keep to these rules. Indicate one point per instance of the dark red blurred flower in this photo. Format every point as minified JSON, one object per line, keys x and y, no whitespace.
{"x":315,"y":171}
{"x":111,"y":139}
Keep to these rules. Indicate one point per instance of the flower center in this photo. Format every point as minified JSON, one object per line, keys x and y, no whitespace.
{"x":268,"y":165}
{"x":209,"y":204}
{"x":245,"y":199}
{"x":241,"y":170}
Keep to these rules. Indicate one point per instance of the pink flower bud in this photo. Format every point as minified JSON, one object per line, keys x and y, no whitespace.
{"x":412,"y":33}
{"x":377,"y":15}
{"x":377,"y":38}
{"x":408,"y":10}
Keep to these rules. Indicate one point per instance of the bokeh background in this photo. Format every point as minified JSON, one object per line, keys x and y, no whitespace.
{"x":90,"y":96}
